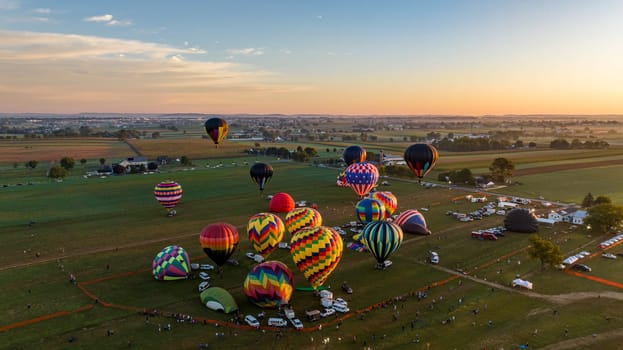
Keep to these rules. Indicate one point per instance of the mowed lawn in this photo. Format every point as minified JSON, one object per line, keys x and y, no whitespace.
{"x":111,"y":229}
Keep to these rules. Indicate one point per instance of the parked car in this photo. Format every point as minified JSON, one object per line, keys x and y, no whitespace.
{"x":296,"y":323}
{"x":609,"y":256}
{"x":203,"y":286}
{"x":434,"y":258}
{"x":206,"y":267}
{"x":277,"y":322}
{"x":340,"y":308}
{"x":194,"y":266}
{"x":346,"y":288}
{"x":582,"y":267}
{"x":204,"y":275}
{"x":252,"y":321}
{"x":327,"y":312}
{"x":385,"y":264}
{"x":255,"y":257}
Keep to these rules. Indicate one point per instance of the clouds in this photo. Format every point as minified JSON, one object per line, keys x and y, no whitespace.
{"x":250,"y":51}
{"x":89,"y":73}
{"x":108,"y":19}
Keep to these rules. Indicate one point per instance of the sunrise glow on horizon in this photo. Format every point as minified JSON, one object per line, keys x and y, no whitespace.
{"x":313,"y":57}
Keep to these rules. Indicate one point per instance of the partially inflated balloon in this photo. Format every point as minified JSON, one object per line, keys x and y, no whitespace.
{"x":316,"y":251}
{"x":412,"y":221}
{"x":389,"y":201}
{"x":219,"y":241}
{"x":302,"y":217}
{"x":269,"y":284}
{"x":354,"y":154}
{"x":265,"y":231}
{"x":217,"y":129}
{"x":369,"y":209}
{"x":382,"y":239}
{"x":362,"y":177}
{"x":421,"y":158}
{"x":171,"y":263}
{"x":168,"y":194}
{"x":281,"y":203}
{"x":261,"y":174}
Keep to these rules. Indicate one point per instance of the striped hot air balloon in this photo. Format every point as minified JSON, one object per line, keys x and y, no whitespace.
{"x":219,"y":241}
{"x":171,"y":263}
{"x":302,"y":217}
{"x":168,"y":194}
{"x":421,"y":158}
{"x":362,"y":177}
{"x":389,"y":201}
{"x":265,"y":231}
{"x":269,"y":284}
{"x":369,"y":209}
{"x":316,"y":251}
{"x":382,"y":238}
{"x":412,"y":221}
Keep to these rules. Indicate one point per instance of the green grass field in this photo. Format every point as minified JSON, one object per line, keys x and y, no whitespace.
{"x":106,"y":231}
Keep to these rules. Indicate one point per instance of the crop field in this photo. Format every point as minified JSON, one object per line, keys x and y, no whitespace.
{"x":106,"y":231}
{"x":54,"y":149}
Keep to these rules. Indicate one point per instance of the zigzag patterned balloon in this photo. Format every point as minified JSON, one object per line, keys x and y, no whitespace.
{"x":302,"y":217}
{"x":171,"y":263}
{"x":269,"y":284}
{"x":316,"y":251}
{"x":265,"y":231}
{"x":389,"y":201}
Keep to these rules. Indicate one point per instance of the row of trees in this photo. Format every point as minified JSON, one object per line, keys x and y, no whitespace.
{"x":577,"y":144}
{"x":466,"y":144}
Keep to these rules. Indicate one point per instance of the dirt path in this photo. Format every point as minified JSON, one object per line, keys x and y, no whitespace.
{"x":586,"y":341}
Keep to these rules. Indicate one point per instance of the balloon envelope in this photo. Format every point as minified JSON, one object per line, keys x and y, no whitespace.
{"x":265,"y":231}
{"x":216,"y":128}
{"x":171,"y":263}
{"x":369,"y":209}
{"x":412,"y":221}
{"x":218,"y":299}
{"x":421,"y":158}
{"x":219,"y":241}
{"x":389,"y":201}
{"x":269,"y":284}
{"x":281,"y":203}
{"x":354,"y":154}
{"x":261,"y":174}
{"x":316,"y":251}
{"x":362,"y":177}
{"x":168,"y":194}
{"x":302,"y":217}
{"x":382,"y":239}
{"x":521,"y":220}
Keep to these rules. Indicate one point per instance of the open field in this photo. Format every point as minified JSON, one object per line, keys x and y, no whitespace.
{"x":23,"y":150}
{"x":107,"y":231}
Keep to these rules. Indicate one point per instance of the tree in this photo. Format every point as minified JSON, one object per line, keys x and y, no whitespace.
{"x":501,"y":169}
{"x":604,"y":217}
{"x":186,"y":161}
{"x":102,"y":161}
{"x":31,"y":164}
{"x":152,"y":166}
{"x":588,"y":201}
{"x":57,"y":172}
{"x":155,"y":135}
{"x":544,"y":250}
{"x":83,"y":161}
{"x":532,"y":144}
{"x":602,"y":200}
{"x":68,"y":163}
{"x":119,"y":169}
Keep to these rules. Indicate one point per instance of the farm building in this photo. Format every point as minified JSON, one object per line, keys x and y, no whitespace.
{"x":571,"y":215}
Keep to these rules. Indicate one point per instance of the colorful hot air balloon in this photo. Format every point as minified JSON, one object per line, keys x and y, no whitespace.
{"x":281,"y":203}
{"x":316,"y":251}
{"x":389,"y":201}
{"x":261,"y":174}
{"x":168,"y":194}
{"x":369,"y":209}
{"x":269,"y":284}
{"x":265,"y":231}
{"x":362,"y":177}
{"x":412,"y":221}
{"x":354,"y":154}
{"x":219,"y":241}
{"x":382,"y":238}
{"x":421,"y":158}
{"x":171,"y":263}
{"x":217,"y":129}
{"x":302,"y":217}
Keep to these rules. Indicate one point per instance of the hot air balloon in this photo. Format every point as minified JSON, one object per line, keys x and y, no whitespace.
{"x":217,"y":129}
{"x":316,"y":251}
{"x":382,"y":238}
{"x":369,"y":209}
{"x":302,"y":217}
{"x":281,"y":203}
{"x":362,"y":177}
{"x":421,"y":158}
{"x":412,"y":221}
{"x":168,"y":194}
{"x":389,"y":201}
{"x":354,"y":154}
{"x":219,"y":241}
{"x":261,"y":174}
{"x":265,"y":231}
{"x":521,"y":220}
{"x":171,"y":263}
{"x":269,"y":284}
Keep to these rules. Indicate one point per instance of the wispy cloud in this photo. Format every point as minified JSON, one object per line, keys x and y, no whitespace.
{"x":108,"y":19}
{"x":249,"y":51}
{"x":9,"y":4}
{"x":91,"y":72}
{"x":43,"y":11}
{"x":286,"y":51}
{"x":102,"y":18}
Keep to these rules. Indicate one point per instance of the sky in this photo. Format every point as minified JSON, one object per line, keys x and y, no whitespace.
{"x":354,"y":57}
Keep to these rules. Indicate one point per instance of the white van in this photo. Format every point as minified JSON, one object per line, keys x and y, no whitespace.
{"x":277,"y":322}
{"x":340,"y":307}
{"x":434,"y":258}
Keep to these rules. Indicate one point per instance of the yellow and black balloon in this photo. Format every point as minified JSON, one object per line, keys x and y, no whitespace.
{"x":217,"y":129}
